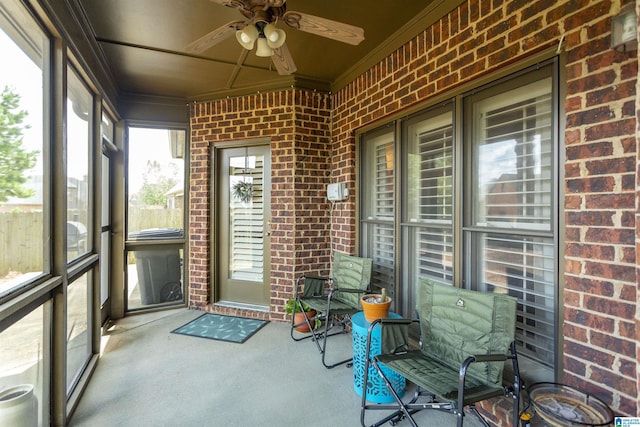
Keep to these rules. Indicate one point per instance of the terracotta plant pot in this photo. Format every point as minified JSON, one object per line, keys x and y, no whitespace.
{"x":299,"y":318}
{"x":375,"y":310}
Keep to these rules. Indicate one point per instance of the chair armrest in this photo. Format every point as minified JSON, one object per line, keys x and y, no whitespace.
{"x":487,"y":358}
{"x":501,"y":357}
{"x":394,"y":327}
{"x":393,"y":321}
{"x":478,"y":358}
{"x":298,"y":287}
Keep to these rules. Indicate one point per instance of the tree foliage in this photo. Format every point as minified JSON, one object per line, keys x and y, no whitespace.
{"x":157,"y":181}
{"x":14,"y":159}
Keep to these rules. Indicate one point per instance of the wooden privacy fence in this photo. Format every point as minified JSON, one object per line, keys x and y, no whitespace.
{"x":21,"y":239}
{"x":145,"y":218}
{"x":21,"y":235}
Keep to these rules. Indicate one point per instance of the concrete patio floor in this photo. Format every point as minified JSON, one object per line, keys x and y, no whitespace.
{"x":148,"y":376}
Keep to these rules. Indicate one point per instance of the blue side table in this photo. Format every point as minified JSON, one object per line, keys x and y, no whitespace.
{"x":377,"y":391}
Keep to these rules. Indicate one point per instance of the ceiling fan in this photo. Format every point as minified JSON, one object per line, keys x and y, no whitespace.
{"x":259,"y":28}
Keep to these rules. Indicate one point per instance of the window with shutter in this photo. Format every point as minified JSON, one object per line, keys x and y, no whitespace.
{"x":428,"y":216}
{"x":512,"y":223}
{"x":379,"y":209}
{"x":474,"y":202}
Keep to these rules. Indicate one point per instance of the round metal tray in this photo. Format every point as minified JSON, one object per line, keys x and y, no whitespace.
{"x":561,"y":405}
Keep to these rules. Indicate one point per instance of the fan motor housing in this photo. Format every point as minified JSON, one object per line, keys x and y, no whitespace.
{"x":267,"y":11}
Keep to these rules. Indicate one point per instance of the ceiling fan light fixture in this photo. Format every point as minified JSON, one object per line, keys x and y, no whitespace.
{"x":247,"y":36}
{"x":263,"y":48}
{"x":275,"y":37}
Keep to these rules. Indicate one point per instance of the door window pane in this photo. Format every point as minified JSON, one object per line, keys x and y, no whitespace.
{"x":105,"y":216}
{"x":22,"y":203}
{"x":105,"y":235}
{"x":246,"y":218}
{"x":105,"y":265}
{"x":79,"y":116}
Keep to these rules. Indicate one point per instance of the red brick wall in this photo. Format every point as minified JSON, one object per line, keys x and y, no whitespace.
{"x":600,"y":281}
{"x":297,"y":123}
{"x":600,"y":293}
{"x":313,"y":143}
{"x":312,"y":174}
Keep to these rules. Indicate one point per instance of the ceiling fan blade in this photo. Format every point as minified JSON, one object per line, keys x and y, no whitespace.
{"x":215,"y":37}
{"x":283,"y":61}
{"x":324,"y":27}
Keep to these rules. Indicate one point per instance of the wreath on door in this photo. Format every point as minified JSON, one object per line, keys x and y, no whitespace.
{"x":243,"y":191}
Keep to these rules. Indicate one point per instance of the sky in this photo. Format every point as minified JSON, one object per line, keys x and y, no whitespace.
{"x":147,"y":144}
{"x":25,"y":78}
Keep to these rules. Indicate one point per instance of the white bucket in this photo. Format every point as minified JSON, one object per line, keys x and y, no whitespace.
{"x":18,"y":406}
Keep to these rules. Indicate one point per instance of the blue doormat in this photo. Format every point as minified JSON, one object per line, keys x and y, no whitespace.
{"x":222,"y":328}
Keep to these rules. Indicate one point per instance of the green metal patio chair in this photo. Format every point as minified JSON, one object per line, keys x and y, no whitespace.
{"x":466,"y":338}
{"x":334,"y":299}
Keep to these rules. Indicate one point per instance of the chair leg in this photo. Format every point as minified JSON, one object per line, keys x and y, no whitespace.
{"x":317,"y":337}
{"x":403,"y":407}
{"x":401,"y":410}
{"x":518,"y":385}
{"x":326,"y":335}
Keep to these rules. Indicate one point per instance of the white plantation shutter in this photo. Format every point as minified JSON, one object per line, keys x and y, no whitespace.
{"x":384,"y":182}
{"x":513,"y":204}
{"x":524,"y":268}
{"x":379,"y":212}
{"x":514,"y":161}
{"x":428,"y":218}
{"x":246,"y":230}
{"x":435,"y":200}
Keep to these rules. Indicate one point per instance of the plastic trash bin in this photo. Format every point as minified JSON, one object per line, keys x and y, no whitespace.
{"x":76,"y":236}
{"x":158,"y":268}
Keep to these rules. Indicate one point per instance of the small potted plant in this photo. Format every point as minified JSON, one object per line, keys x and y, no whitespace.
{"x":298,"y":316}
{"x":375,"y":306}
